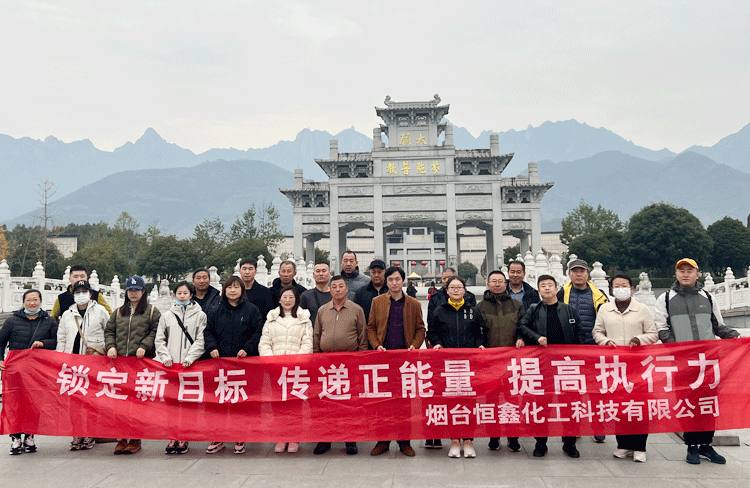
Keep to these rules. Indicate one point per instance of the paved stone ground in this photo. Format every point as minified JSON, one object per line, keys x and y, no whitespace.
{"x":55,"y":466}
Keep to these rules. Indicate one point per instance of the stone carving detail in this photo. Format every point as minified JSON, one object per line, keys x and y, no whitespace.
{"x":415,"y":203}
{"x":515,"y":225}
{"x":356,"y":218}
{"x":400,"y":190}
{"x":315,"y":228}
{"x":356,"y":190}
{"x":476,"y":216}
{"x":468,"y":202}
{"x":516,"y":215}
{"x":473,"y":188}
{"x":313,"y":219}
{"x":645,"y":284}
{"x":415,"y":216}
{"x":356,"y":204}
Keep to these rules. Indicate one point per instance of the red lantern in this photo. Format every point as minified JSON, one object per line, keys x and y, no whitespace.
{"x":397,"y":263}
{"x":442,"y":263}
{"x":413,"y":263}
{"x":424,"y":263}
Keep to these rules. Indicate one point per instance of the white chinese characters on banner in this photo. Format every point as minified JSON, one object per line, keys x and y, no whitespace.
{"x":74,"y":379}
{"x":297,"y":379}
{"x":109,"y":380}
{"x":230,"y":390}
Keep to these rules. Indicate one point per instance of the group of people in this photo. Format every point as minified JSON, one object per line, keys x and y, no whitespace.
{"x":354,"y":312}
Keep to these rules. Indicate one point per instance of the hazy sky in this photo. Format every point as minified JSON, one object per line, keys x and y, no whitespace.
{"x":248,"y":74}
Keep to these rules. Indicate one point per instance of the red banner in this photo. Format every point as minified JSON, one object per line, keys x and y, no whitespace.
{"x":422,"y":394}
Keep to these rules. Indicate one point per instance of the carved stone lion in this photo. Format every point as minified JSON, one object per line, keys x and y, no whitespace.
{"x":645,"y":284}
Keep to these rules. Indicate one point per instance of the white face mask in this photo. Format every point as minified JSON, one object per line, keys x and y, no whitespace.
{"x":82,"y":298}
{"x":622,"y":293}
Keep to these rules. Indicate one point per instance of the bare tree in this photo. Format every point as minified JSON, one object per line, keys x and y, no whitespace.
{"x":45,"y":193}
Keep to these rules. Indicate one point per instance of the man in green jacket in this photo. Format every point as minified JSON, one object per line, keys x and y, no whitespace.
{"x":501,"y":315}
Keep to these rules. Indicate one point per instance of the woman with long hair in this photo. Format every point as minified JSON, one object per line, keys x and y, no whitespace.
{"x":233,"y":330}
{"x":288,"y":330}
{"x":179,"y":339}
{"x":131,"y":331}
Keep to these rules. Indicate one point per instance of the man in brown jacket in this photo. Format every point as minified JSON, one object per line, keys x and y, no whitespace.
{"x":501,"y":314}
{"x":395,"y":323}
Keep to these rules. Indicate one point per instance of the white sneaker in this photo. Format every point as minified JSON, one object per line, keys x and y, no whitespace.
{"x":639,"y":456}
{"x":469,"y":451}
{"x":455,"y":450}
{"x":623,"y":453}
{"x":280,"y":447}
{"x":16,"y":446}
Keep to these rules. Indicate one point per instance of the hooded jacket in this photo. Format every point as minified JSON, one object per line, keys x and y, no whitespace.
{"x":230,"y":329}
{"x":20,"y":332}
{"x":127,"y":334}
{"x":457,"y":328}
{"x":286,"y":335}
{"x":172,"y":343}
{"x":92,"y":324}
{"x":501,"y":315}
{"x":65,"y":300}
{"x":690,"y":315}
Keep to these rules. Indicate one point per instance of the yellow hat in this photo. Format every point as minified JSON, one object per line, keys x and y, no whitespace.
{"x":686,"y":261}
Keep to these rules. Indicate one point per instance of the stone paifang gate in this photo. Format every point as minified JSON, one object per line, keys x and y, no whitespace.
{"x":414,"y":181}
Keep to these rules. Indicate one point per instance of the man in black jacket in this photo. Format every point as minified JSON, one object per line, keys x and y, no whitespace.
{"x":65,"y":299}
{"x":374,"y":288}
{"x":518,"y":288}
{"x":257,"y":294}
{"x":287,"y":272}
{"x":205,"y":295}
{"x":551,"y":322}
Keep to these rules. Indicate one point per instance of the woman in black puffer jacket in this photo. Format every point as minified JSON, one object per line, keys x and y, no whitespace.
{"x":28,"y":328}
{"x":457,"y":324}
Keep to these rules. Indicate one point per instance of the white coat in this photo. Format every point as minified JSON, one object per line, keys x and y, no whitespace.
{"x":286,"y":335}
{"x":92,"y":324}
{"x":171,"y":342}
{"x":635,"y":321}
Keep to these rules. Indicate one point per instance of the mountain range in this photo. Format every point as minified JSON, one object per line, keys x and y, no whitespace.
{"x":148,"y":177}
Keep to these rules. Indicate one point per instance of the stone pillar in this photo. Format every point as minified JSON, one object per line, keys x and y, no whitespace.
{"x":448,"y":136}
{"x":309,"y":249}
{"x":298,"y":244}
{"x":38,"y":275}
{"x":66,"y":274}
{"x":215,"y":279}
{"x":494,"y":145}
{"x":5,"y":294}
{"x":533,"y":173}
{"x":377,"y":139}
{"x":115,"y":303}
{"x":525,"y":247}
{"x":334,"y":152}
{"x":298,"y":179}
{"x":378,"y":227}
{"x":237,"y":267}
{"x":261,"y":276}
{"x":452,"y":252}
{"x":536,"y":231}
{"x":497,"y":225}
{"x":335,"y":241}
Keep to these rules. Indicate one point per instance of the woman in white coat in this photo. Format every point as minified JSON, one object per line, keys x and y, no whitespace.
{"x":288,"y":330}
{"x":179,"y":339}
{"x":81,"y":331}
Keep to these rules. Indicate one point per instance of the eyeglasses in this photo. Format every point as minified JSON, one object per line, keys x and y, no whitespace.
{"x":455,"y":288}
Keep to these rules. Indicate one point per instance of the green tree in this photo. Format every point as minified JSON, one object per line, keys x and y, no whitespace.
{"x":606,"y":247}
{"x":105,"y":255}
{"x":467,"y":271}
{"x":585,"y":219}
{"x":731,"y":246}
{"x":168,"y":258}
{"x":661,"y":234}
{"x":511,"y":253}
{"x":226,"y":258}
{"x":208,"y":238}
{"x":126,"y":232}
{"x":262,"y":224}
{"x":322,"y":257}
{"x":26,"y":246}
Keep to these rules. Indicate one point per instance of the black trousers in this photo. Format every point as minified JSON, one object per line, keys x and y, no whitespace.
{"x":566,"y":440}
{"x":699,"y":438}
{"x":633,"y":442}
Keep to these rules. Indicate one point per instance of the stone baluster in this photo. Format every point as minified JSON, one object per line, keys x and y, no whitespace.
{"x":530,"y":269}
{"x":504,"y":270}
{"x":555,"y":267}
{"x":38,"y":275}
{"x":728,"y":282}
{"x":599,"y":278}
{"x":519,"y":257}
{"x":571,"y":258}
{"x":301,"y":276}
{"x":115,"y":302}
{"x":541,"y":265}
{"x":5,"y":288}
{"x":237,"y":267}
{"x":275,"y":265}
{"x":709,"y":281}
{"x":262,"y":274}
{"x":213,"y":277}
{"x":94,"y":280}
{"x":66,"y":275}
{"x":310,"y":278}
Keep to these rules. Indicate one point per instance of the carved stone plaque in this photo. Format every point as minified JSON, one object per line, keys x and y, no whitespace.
{"x":415,"y":217}
{"x":314,"y":219}
{"x":356,"y":204}
{"x":516,"y":225}
{"x":415,"y":203}
{"x":470,"y":202}
{"x":473,"y":188}
{"x":476,"y":215}
{"x":355,"y":190}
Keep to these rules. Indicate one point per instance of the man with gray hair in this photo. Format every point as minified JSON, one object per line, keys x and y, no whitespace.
{"x":287,"y":272}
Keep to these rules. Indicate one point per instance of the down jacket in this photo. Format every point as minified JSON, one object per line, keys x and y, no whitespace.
{"x":172,"y":343}
{"x":457,"y":328}
{"x":92,"y":324}
{"x":501,"y":315}
{"x":127,"y":334}
{"x":19,"y":332}
{"x":230,"y":329}
{"x":286,"y":335}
